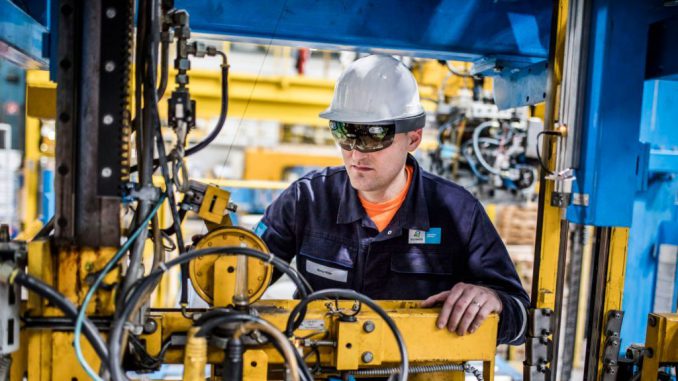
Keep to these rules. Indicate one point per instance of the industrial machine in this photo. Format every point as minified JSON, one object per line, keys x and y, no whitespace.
{"x":482,"y":148}
{"x":88,"y":311}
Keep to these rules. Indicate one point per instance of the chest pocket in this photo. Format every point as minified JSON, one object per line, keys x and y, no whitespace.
{"x":422,"y":260}
{"x":326,"y":263}
{"x":424,"y":270}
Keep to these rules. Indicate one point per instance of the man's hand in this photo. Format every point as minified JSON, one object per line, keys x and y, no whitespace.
{"x":465,"y":307}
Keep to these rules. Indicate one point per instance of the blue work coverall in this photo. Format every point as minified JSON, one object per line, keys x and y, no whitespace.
{"x":440,"y":236}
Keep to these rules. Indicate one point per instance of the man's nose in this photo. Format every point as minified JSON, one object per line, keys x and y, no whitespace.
{"x":357,"y":155}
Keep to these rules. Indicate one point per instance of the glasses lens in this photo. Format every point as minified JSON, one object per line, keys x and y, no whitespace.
{"x":363,"y":137}
{"x":341,"y":133}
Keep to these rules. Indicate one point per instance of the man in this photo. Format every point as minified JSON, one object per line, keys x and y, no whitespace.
{"x":382,"y":226}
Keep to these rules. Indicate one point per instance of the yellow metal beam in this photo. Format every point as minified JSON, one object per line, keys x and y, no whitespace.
{"x":267,"y":164}
{"x":614,"y":282}
{"x":661,"y":343}
{"x":548,"y":241}
{"x":425,"y":343}
{"x":287,"y":99}
{"x":31,"y":171}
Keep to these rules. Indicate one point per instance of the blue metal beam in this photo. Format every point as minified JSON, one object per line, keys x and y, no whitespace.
{"x":514,"y":31}
{"x":21,"y":37}
{"x":611,"y":151}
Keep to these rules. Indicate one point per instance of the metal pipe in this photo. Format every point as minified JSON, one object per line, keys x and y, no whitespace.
{"x":146,"y":169}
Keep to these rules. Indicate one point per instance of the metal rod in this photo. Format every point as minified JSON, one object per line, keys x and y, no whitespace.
{"x":577,"y":240}
{"x":560,"y":290}
{"x":600,"y":258}
{"x":146,"y":168}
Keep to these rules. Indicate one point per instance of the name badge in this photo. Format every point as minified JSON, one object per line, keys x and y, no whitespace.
{"x":337,"y":275}
{"x":420,"y":237}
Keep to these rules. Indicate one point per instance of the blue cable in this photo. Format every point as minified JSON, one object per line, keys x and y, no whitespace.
{"x":109,"y":265}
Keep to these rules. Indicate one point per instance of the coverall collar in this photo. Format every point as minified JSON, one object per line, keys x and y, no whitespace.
{"x":413,"y":213}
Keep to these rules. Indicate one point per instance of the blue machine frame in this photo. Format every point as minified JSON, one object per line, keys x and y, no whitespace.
{"x":630,"y":141}
{"x":21,"y":34}
{"x":513,"y":31}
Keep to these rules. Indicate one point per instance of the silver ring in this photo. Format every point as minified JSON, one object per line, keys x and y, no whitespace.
{"x":476,"y":303}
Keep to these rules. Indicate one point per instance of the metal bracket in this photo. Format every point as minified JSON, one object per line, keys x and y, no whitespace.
{"x":541,"y":322}
{"x":147,"y":193}
{"x":521,"y":86}
{"x":539,"y":347}
{"x":612,"y":342}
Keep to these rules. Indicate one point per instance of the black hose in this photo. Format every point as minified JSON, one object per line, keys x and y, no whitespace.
{"x":114,"y":340}
{"x":222,"y":114}
{"x":164,"y":68}
{"x":169,"y":186}
{"x":544,"y":166}
{"x":220,"y":123}
{"x":334,"y":293}
{"x":215,"y":318}
{"x":69,"y":309}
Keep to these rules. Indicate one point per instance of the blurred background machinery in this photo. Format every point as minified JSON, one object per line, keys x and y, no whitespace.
{"x":559,"y":120}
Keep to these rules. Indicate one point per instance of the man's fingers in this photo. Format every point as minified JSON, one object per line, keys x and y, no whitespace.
{"x":449,"y":304}
{"x":484,"y":312}
{"x":460,"y":307}
{"x":474,"y":307}
{"x":431,"y":300}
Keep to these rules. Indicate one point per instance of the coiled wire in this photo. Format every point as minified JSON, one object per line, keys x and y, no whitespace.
{"x":465,"y":367}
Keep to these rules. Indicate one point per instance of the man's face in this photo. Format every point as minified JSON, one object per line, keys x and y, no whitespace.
{"x":375,"y":171}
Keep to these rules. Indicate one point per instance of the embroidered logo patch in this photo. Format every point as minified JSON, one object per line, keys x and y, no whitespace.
{"x":260,"y":229}
{"x":431,"y":236}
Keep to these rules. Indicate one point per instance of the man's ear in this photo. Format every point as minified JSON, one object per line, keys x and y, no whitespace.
{"x":414,"y":139}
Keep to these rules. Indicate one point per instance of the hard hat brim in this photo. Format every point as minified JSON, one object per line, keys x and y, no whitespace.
{"x":402,"y":125}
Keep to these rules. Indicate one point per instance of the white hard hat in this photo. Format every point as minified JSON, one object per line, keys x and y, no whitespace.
{"x":377,"y":89}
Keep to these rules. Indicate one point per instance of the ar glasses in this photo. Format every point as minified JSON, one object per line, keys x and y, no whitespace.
{"x":363,"y":137}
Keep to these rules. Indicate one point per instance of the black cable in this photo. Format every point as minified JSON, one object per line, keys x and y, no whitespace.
{"x":148,"y":361}
{"x":227,"y":316}
{"x":223,"y":112}
{"x":169,"y":186}
{"x":114,"y":340}
{"x":46,"y":230}
{"x":164,"y":68}
{"x":220,"y":123}
{"x":331,"y":293}
{"x":68,"y":308}
{"x":541,"y":163}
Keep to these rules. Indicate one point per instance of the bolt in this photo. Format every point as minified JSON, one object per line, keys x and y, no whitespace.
{"x":652,"y":321}
{"x":368,"y":326}
{"x":108,"y":119}
{"x":150,"y":326}
{"x":367,"y":357}
{"x":649,"y":352}
{"x":106,"y":172}
{"x":617,"y":315}
{"x":110,"y":12}
{"x":89,"y":266}
{"x":109,"y":66}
